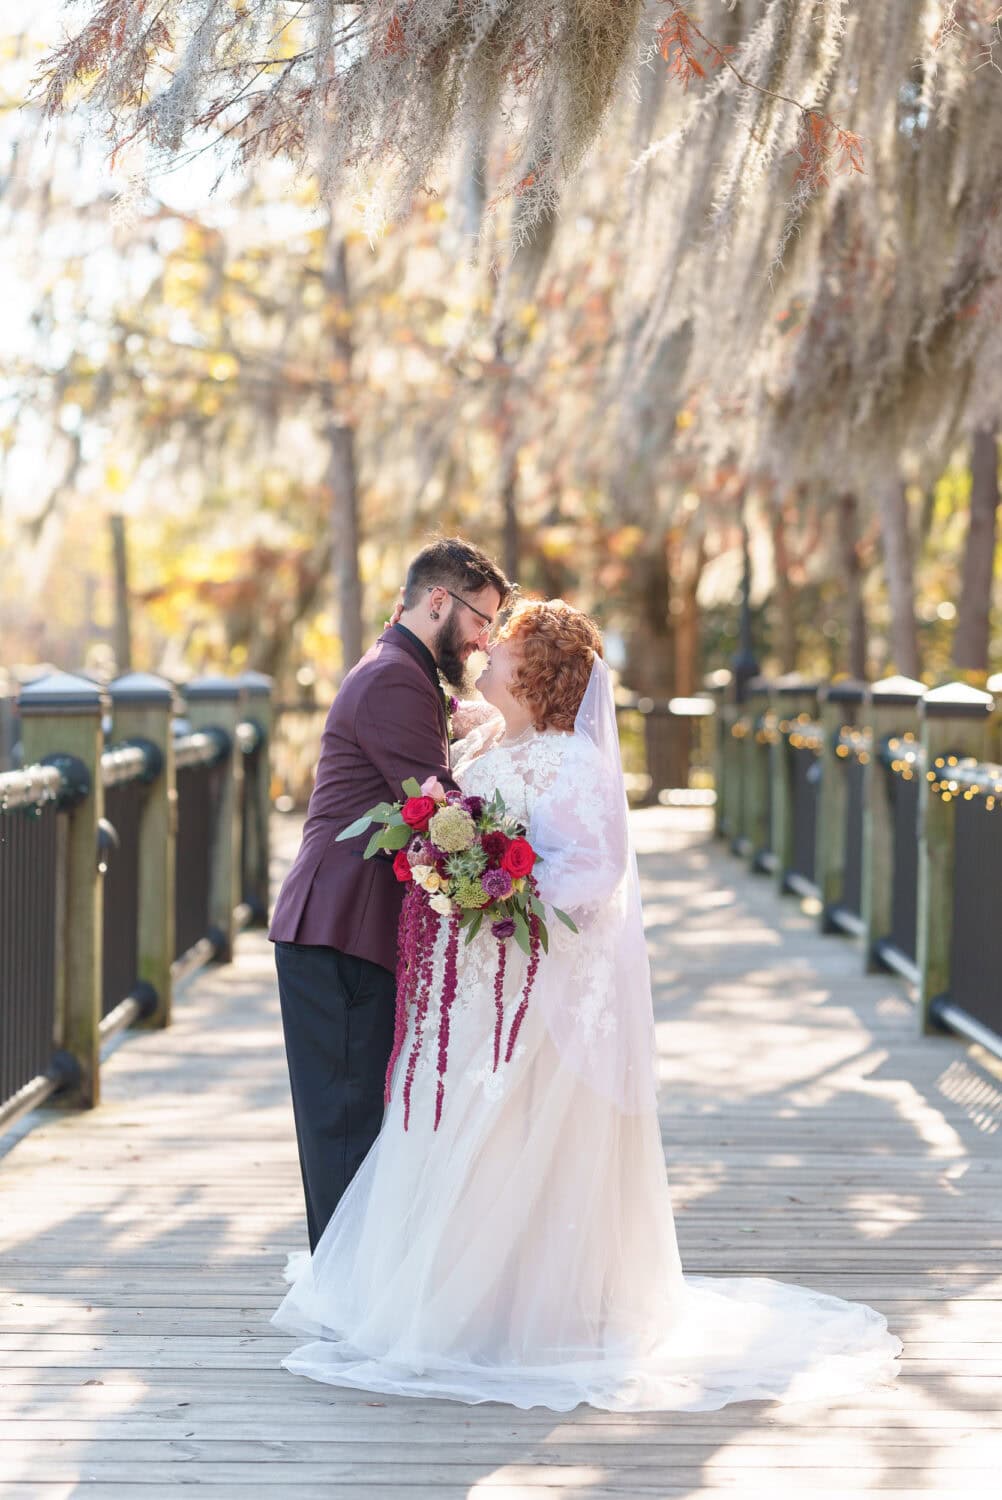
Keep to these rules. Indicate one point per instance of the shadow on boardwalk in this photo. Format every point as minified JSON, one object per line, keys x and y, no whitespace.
{"x":811,"y":1135}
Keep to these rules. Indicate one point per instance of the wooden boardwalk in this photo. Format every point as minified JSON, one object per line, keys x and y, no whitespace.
{"x":811,"y":1135}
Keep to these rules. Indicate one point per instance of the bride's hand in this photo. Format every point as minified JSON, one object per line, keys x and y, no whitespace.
{"x":398,"y":610}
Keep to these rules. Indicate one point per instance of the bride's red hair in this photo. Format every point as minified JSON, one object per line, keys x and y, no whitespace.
{"x":557,"y":647}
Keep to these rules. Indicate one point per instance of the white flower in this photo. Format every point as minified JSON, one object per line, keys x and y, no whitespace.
{"x":441,"y":904}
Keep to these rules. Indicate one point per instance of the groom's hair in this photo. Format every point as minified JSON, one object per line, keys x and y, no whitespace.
{"x":454,"y":564}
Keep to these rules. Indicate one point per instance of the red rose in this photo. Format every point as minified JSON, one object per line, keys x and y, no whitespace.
{"x":402,"y":866}
{"x":519,"y":858}
{"x":417,"y":812}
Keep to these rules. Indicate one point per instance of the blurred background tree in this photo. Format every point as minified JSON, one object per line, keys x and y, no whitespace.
{"x":639,"y":278}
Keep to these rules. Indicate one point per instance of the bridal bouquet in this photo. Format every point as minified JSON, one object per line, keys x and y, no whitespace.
{"x":464,"y":860}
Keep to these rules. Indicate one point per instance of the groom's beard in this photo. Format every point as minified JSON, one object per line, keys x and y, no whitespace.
{"x":448,"y":648}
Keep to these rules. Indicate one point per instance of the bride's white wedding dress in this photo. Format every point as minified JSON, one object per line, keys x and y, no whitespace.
{"x":525,"y":1251}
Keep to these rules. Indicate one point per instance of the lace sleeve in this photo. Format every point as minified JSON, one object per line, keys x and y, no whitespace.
{"x":579,"y":828}
{"x":479,"y":738}
{"x":474,"y":713}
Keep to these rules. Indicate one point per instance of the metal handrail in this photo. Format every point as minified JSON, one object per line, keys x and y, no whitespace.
{"x":902,"y":755}
{"x":249,"y":736}
{"x":133,"y":761}
{"x":203,"y":748}
{"x":803,"y":734}
{"x":32,"y":787}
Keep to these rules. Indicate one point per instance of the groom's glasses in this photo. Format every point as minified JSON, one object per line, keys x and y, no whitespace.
{"x":488,"y":622}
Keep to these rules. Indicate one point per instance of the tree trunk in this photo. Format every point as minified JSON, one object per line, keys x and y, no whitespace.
{"x":120,"y":585}
{"x":342,"y":470}
{"x":900,"y":580}
{"x":509,"y":500}
{"x":504,"y":427}
{"x":685,"y":619}
{"x":785,"y":599}
{"x":852,"y":572}
{"x":971,"y":641}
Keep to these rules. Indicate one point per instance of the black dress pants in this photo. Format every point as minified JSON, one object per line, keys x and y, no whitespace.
{"x":338,"y":1015}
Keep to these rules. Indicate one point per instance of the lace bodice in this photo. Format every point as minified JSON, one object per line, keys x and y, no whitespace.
{"x":520,"y":771}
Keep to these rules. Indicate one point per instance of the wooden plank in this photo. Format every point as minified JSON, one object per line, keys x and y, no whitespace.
{"x":142,"y":1246}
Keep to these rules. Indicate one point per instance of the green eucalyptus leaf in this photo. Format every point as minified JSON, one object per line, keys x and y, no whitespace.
{"x":375,"y":843}
{"x":564,"y":918}
{"x":354,"y":829}
{"x":412,"y":787}
{"x":522,"y":933}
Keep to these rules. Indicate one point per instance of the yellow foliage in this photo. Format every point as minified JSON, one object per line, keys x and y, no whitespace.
{"x":223,"y":366}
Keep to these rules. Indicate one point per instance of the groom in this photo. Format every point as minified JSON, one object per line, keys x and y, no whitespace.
{"x":335,"y":921}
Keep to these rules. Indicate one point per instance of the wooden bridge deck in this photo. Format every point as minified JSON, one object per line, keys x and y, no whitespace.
{"x":811,"y":1134}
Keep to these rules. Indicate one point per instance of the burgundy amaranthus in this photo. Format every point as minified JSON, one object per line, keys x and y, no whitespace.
{"x":448,"y":996}
{"x":535,"y":948}
{"x":499,"y":1002}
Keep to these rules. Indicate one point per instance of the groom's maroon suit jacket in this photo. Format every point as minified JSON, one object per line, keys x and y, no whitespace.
{"x":387,"y":722}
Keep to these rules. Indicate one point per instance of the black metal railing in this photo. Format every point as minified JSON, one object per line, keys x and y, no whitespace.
{"x":803,"y":738}
{"x":28,"y":909}
{"x":252,"y":745}
{"x":31,"y":903}
{"x":894,"y":835}
{"x":200,"y":760}
{"x":120,"y":866}
{"x":121,"y":869}
{"x":900,"y":759}
{"x":976,"y":955}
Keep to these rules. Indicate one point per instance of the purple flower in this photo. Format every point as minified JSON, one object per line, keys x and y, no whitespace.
{"x":505,"y":928}
{"x":474,"y":806}
{"x":497,"y":884}
{"x":453,"y":704}
{"x":452,"y":797}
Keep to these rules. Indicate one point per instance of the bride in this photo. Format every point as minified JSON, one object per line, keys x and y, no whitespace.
{"x":525,"y":1250}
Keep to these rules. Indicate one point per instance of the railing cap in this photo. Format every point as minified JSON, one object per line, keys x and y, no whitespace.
{"x":61,"y":693}
{"x":224,"y":689}
{"x":895,"y":691}
{"x":759,"y":684}
{"x":795,"y":682}
{"x":844,"y":690}
{"x":255,"y":684}
{"x":141,"y":688}
{"x":957,"y":700}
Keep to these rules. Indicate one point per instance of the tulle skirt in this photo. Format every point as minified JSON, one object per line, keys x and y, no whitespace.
{"x":525,"y":1253}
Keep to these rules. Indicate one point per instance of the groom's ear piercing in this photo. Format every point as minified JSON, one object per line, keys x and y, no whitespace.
{"x":434,"y":614}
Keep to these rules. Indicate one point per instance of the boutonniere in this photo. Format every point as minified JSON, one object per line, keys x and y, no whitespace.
{"x":451,"y":704}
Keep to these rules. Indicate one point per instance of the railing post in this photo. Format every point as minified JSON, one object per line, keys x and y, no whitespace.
{"x":61,"y":724}
{"x":839,"y":707}
{"x":257,"y":688}
{"x":141,"y":712}
{"x":792,"y":696}
{"x":215,"y":703}
{"x":955,"y":721}
{"x":892,"y":709}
